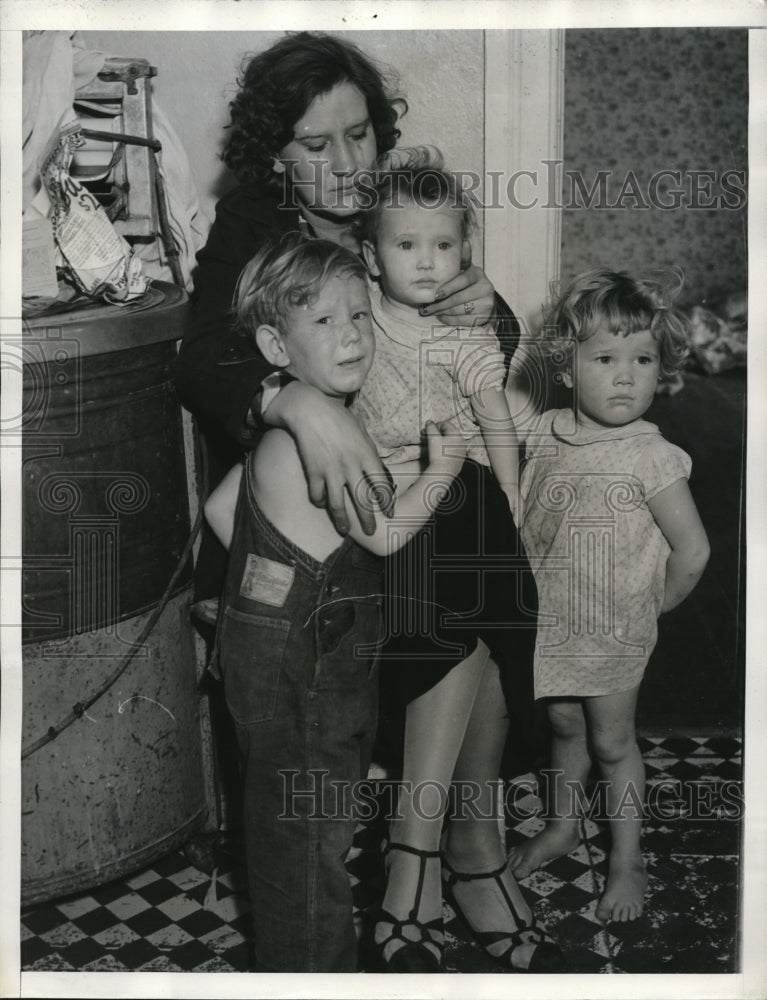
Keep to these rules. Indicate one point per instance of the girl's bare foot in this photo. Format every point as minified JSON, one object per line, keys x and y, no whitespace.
{"x":623,"y":898}
{"x":550,"y":843}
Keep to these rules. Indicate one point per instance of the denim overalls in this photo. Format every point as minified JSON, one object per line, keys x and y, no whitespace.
{"x":297,"y":648}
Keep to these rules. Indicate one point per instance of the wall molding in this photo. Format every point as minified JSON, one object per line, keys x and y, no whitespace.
{"x":524,"y":126}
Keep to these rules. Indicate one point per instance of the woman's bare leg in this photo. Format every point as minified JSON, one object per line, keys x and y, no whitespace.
{"x":474,"y":843}
{"x":434,"y":731}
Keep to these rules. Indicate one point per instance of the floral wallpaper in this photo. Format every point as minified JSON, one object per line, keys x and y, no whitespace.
{"x":655,"y":154}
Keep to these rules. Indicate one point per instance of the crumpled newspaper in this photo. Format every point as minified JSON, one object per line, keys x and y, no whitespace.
{"x":98,"y":258}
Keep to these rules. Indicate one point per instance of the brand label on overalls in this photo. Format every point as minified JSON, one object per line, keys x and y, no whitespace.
{"x":266,"y":580}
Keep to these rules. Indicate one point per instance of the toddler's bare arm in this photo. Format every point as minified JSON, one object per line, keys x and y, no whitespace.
{"x":491,"y":411}
{"x":418,"y":502}
{"x":677,"y":517}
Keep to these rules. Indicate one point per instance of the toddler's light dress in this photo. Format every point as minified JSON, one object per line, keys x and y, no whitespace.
{"x":598,"y":556}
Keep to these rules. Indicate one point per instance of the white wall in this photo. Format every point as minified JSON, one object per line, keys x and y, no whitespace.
{"x":441,"y":74}
{"x":454,"y":81}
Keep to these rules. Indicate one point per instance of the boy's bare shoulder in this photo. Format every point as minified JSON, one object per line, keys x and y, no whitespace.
{"x":277,"y":460}
{"x":275,"y":442}
{"x":282,"y":492}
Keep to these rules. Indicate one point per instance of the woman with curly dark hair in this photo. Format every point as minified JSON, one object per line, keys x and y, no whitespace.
{"x":276,"y":90}
{"x":312,"y":114}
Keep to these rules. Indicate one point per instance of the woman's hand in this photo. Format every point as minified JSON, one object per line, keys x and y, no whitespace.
{"x":336,"y":453}
{"x":468,"y":299}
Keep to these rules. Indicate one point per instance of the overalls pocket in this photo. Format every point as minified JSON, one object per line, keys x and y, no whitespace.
{"x":251,"y":650}
{"x":349,"y":634}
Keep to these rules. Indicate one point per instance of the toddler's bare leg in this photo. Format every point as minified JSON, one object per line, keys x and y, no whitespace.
{"x":611,"y":728}
{"x":570,"y":762}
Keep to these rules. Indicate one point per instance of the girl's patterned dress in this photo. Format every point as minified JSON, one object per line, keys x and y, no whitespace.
{"x":598,"y":556}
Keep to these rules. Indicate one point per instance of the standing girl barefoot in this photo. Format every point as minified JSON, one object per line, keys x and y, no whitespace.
{"x":614,"y":539}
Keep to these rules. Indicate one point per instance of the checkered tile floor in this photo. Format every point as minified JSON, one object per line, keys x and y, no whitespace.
{"x":175,"y":918}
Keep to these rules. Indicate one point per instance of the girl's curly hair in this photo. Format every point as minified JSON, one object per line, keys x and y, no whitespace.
{"x":624,"y":305}
{"x":278,"y":85}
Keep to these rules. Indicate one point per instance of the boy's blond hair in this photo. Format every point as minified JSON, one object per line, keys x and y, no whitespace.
{"x":287,"y":273}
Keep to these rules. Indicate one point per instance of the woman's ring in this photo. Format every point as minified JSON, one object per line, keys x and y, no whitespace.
{"x":468,"y":307}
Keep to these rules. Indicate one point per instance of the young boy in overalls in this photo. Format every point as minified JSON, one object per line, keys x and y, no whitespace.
{"x":301,"y":613}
